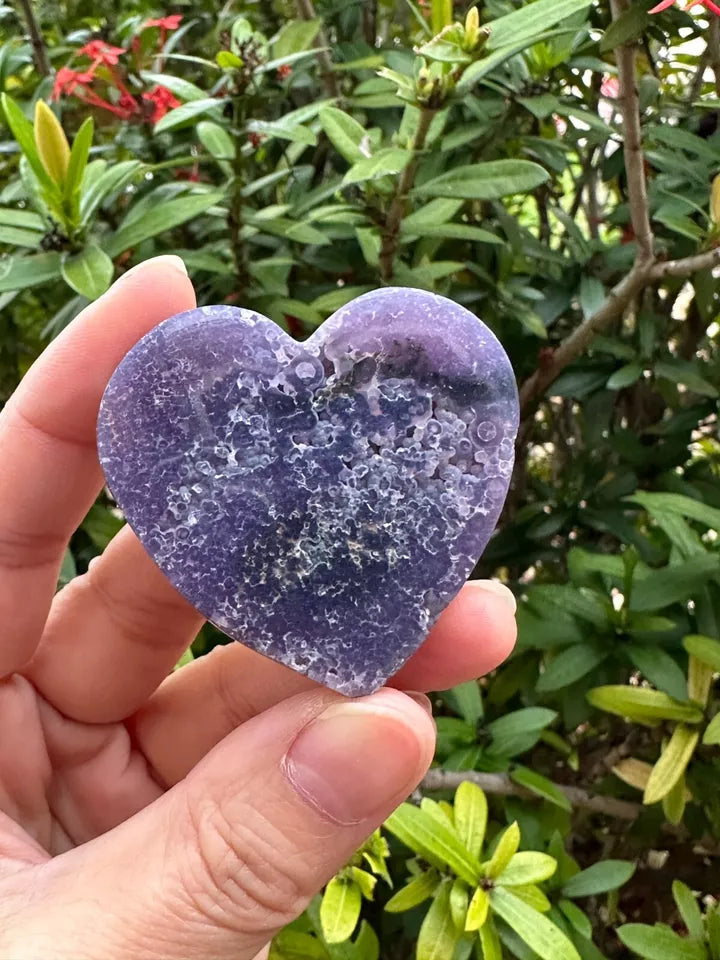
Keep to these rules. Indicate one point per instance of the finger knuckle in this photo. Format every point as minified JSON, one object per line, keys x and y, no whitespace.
{"x":242,"y":873}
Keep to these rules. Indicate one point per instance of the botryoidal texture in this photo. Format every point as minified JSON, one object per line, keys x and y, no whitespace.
{"x":320,"y":502}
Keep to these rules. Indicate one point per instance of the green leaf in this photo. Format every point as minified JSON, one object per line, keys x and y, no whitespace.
{"x":22,"y":129}
{"x":466,"y":699}
{"x":672,"y":763}
{"x":659,"y":943}
{"x":20,"y":273}
{"x":705,"y":649}
{"x":19,"y":237}
{"x":570,"y":665}
{"x":504,"y":852}
{"x":284,"y":131}
{"x":414,"y":893}
{"x":15,"y":217}
{"x":486,"y":181}
{"x":599,"y":878}
{"x":712,"y":732}
{"x":294,"y":945}
{"x":478,"y":910}
{"x":674,"y":802}
{"x":527,"y":867}
{"x":533,"y":897}
{"x":68,"y":569}
{"x":459,"y":903}
{"x":535,"y":929}
{"x":628,"y":26}
{"x":95,"y":192}
{"x":185,"y":659}
{"x":682,"y":506}
{"x":181,"y":88}
{"x":384,"y":163}
{"x":471,"y":814}
{"x":436,"y":843}
{"x":453,"y":231}
{"x":78,"y":158}
{"x":216,"y":140}
{"x":344,"y":132}
{"x":365,"y":881}
{"x":159,"y":219}
{"x":490,"y":942}
{"x":713,"y":930}
{"x":481,"y":68}
{"x":577,"y":918}
{"x":189,"y":111}
{"x":659,"y":668}
{"x":642,"y":705}
{"x":294,"y":36}
{"x":674,"y":583}
{"x":582,"y":602}
{"x":520,"y":730}
{"x":625,"y":376}
{"x":438,"y":935}
{"x":540,"y":786}
{"x":340,"y":910}
{"x":688,"y":375}
{"x":689,"y":910}
{"x":531,"y":20}
{"x":89,"y":273}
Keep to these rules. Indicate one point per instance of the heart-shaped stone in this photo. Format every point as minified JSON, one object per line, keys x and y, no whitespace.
{"x":321,"y":502}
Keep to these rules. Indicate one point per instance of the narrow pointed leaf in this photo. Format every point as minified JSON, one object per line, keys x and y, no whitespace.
{"x":477,"y":913}
{"x":534,"y":928}
{"x":438,"y":844}
{"x":672,"y":763}
{"x":340,"y":910}
{"x":471,"y":814}
{"x":599,"y":878}
{"x":438,"y":935}
{"x":504,"y":851}
{"x":414,"y":893}
{"x":527,"y":867}
{"x":643,"y":705}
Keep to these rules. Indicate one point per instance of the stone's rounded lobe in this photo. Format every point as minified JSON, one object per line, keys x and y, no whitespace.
{"x":323,"y":501}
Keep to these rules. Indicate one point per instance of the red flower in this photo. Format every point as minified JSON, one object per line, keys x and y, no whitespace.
{"x":708,"y":4}
{"x":101,"y":52}
{"x":284,"y":71}
{"x":255,"y":139}
{"x":610,"y":87}
{"x":165,"y":23}
{"x":66,"y":80}
{"x":162,"y":101}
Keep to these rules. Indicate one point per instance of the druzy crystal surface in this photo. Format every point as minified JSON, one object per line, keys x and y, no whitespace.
{"x":321,"y":502}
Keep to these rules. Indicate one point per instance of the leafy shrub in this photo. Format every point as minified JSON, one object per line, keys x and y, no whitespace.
{"x":551,"y":165}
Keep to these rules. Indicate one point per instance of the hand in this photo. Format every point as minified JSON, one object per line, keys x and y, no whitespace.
{"x":150,"y":814}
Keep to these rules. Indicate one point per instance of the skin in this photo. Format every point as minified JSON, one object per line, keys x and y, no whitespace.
{"x":151,"y":814}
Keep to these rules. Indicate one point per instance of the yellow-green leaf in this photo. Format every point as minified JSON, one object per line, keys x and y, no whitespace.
{"x":527,"y":867}
{"x":477,"y":912}
{"x":414,"y":893}
{"x":672,"y":763}
{"x":438,"y":935}
{"x":340,"y":910}
{"x":459,"y":897}
{"x":643,"y":705}
{"x":712,"y":732}
{"x":533,"y":897}
{"x":674,"y":802}
{"x":437,"y":843}
{"x":535,"y":929}
{"x":51,"y":143}
{"x":700,"y":677}
{"x":490,"y":942}
{"x":704,"y":648}
{"x":471,"y":814}
{"x":504,"y":851}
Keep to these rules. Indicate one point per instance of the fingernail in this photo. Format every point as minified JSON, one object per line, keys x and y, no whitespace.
{"x":168,"y":259}
{"x":359,"y":756}
{"x":499,"y":589}
{"x":421,"y":700}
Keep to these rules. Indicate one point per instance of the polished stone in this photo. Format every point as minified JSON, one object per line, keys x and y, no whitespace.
{"x":321,"y":502}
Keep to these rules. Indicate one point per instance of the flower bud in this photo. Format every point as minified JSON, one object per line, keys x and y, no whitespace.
{"x":51,"y":143}
{"x":715,"y":200}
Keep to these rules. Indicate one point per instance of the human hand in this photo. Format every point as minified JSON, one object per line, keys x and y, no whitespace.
{"x":150,"y":814}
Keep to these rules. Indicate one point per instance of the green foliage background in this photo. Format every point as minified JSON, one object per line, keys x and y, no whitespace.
{"x":315,"y":155}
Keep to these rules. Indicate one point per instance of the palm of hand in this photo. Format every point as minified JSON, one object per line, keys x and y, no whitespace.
{"x":147,"y":813}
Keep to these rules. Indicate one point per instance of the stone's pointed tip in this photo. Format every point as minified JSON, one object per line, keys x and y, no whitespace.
{"x":320,"y":501}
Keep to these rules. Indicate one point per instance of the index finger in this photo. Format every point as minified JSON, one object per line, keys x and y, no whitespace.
{"x":49,"y":470}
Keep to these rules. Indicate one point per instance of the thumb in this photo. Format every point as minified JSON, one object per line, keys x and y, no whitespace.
{"x":237,"y":850}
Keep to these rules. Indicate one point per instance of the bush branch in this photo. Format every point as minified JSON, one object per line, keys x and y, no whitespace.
{"x":306,"y":11}
{"x":500,"y":785}
{"x":37,"y":42}
{"x":391,"y":231}
{"x":632,"y":142}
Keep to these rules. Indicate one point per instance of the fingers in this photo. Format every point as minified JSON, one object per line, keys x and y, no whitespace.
{"x":112,"y":636}
{"x":49,"y":473}
{"x":231,"y":855}
{"x":233,"y":684}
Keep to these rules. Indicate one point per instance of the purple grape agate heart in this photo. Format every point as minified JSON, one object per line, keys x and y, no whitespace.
{"x":321,"y":502}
